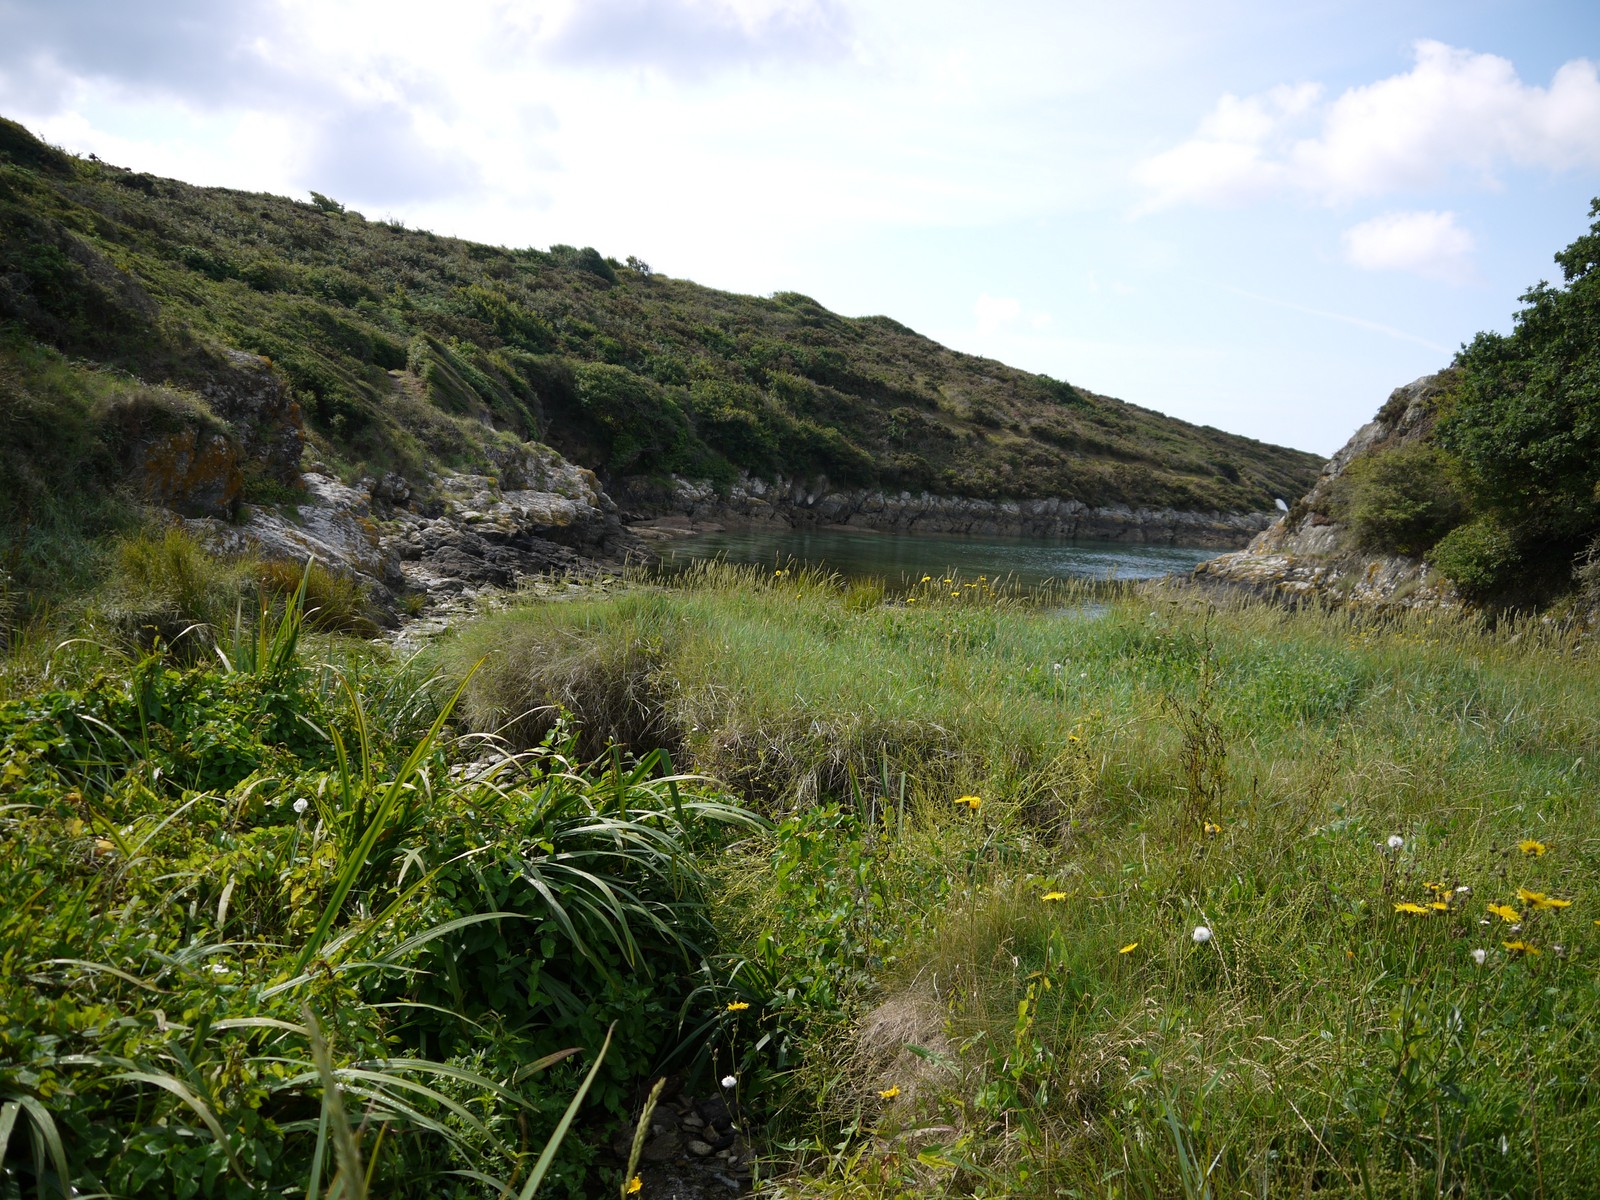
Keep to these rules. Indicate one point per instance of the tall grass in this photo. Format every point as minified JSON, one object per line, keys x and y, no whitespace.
{"x":1337,"y":800}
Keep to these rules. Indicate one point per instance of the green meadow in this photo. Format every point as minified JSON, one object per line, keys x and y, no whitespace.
{"x":1092,"y":891}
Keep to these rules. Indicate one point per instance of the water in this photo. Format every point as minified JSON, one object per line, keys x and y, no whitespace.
{"x":894,"y":557}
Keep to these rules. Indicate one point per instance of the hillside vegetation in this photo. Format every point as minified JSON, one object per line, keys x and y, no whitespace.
{"x":397,"y":342}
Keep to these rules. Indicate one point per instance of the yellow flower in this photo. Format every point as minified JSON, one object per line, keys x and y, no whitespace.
{"x":1520,"y":948}
{"x":1542,"y":901}
{"x":1531,"y":847}
{"x":1129,"y":948}
{"x":1439,"y":905}
{"x":1505,"y":912}
{"x":889,"y":1093}
{"x":635,"y":1185}
{"x":1212,"y":827}
{"x":1529,"y":896}
{"x":1437,"y":887}
{"x":1051,"y":897}
{"x":1406,"y":906}
{"x":972,"y":802}
{"x":737,"y":1005}
{"x":927,"y":579}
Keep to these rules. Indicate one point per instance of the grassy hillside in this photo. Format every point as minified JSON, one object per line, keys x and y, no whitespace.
{"x":391,"y":336}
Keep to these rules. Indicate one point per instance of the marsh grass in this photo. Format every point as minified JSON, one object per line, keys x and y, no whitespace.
{"x":1155,"y":766}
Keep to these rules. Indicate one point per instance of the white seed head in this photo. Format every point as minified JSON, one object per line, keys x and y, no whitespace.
{"x":300,"y":806}
{"x":1201,"y":935}
{"x":1479,"y":955}
{"x":730,"y":1081}
{"x":1395,"y":841}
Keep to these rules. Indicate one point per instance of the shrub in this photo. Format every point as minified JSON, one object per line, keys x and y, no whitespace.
{"x":1479,"y":557}
{"x":1402,"y":501}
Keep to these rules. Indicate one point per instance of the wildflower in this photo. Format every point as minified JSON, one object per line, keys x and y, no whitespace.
{"x":300,"y":806}
{"x":1479,"y":955}
{"x":1051,"y":897}
{"x":1439,"y":905}
{"x":737,"y":1005}
{"x":889,"y":1093}
{"x":1201,"y":935}
{"x":927,"y":579}
{"x":1395,"y":841}
{"x":1531,"y":848}
{"x":1211,"y":827}
{"x":1505,"y":912}
{"x":1521,"y":948}
{"x":972,"y":802}
{"x":1129,"y":948}
{"x":219,"y":968}
{"x":1406,"y":906}
{"x":730,"y":1082}
{"x":634,"y":1185}
{"x":1543,"y":901}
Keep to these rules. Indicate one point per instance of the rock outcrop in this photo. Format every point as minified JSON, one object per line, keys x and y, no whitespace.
{"x":541,"y":515}
{"x":1309,"y":554}
{"x":752,"y":501}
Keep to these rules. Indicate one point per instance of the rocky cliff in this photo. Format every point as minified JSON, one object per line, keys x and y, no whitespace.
{"x":1310,"y":553}
{"x":795,"y":502}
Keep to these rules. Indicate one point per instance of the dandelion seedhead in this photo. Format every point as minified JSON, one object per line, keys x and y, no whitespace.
{"x":1201,"y":935}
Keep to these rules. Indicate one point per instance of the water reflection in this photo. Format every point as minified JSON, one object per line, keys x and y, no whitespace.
{"x":895,"y":558}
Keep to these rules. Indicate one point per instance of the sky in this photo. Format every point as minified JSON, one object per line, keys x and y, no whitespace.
{"x":1248,"y":214}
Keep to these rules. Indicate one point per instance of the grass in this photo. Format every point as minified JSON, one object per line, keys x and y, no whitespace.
{"x":275,"y":928}
{"x":1146,"y":766}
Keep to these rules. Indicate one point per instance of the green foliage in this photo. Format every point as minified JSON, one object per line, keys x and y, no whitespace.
{"x":1526,"y":418}
{"x":265,"y":913}
{"x":1402,"y":501}
{"x":1481,"y":557}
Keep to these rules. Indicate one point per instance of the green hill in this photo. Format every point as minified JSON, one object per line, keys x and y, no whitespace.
{"x":405,"y":350}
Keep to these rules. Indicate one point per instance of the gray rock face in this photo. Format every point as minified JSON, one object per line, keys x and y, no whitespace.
{"x":1307,"y":553}
{"x":474,"y":532}
{"x":265,"y":418}
{"x":796,"y":502}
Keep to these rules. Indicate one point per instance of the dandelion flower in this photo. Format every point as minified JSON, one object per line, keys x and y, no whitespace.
{"x":300,"y":806}
{"x":1052,"y":897}
{"x":1439,"y":905}
{"x":1531,"y":847}
{"x":729,"y":1082}
{"x":1505,"y":912}
{"x":1129,"y":948}
{"x":1529,"y":896}
{"x":1550,"y":902}
{"x":973,"y":803}
{"x":635,"y":1185}
{"x":1201,"y":935}
{"x":1406,"y":906}
{"x":1521,"y":948}
{"x":927,"y":579}
{"x":1479,"y":955}
{"x":889,"y":1093}
{"x":1211,"y":827}
{"x":1395,"y":841}
{"x":737,"y":1005}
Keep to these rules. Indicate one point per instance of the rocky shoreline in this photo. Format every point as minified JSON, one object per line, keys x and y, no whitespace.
{"x":754,"y":502}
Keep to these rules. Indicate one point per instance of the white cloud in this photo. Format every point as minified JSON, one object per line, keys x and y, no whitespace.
{"x":1430,"y":244}
{"x":994,"y":311}
{"x":1455,"y":112}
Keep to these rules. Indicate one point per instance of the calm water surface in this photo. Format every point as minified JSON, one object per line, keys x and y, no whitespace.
{"x":896,"y":557}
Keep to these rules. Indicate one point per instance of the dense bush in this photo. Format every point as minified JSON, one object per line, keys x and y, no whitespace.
{"x":1402,"y":501}
{"x":1481,"y":557}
